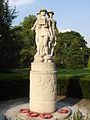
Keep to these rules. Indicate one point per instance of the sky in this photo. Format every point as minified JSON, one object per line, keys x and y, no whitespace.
{"x":69,"y":14}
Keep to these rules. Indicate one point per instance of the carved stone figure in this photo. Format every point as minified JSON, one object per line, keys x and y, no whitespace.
{"x":45,"y":36}
{"x":52,"y":29}
{"x":36,"y":28}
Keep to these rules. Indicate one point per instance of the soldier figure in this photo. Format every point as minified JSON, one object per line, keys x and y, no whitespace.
{"x":52,"y":29}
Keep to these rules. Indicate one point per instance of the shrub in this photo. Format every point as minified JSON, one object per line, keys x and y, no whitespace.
{"x":14,"y":85}
{"x":78,"y":116}
{"x":89,"y":62}
{"x":74,"y":86}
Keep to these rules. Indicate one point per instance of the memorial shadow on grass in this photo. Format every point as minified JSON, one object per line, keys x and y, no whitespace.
{"x":67,"y":101}
{"x":73,"y":88}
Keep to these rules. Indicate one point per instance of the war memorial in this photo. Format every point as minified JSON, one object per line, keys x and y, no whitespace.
{"x":43,"y":76}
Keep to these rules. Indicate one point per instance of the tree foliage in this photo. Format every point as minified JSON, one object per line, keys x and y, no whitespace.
{"x":75,"y":55}
{"x":6,"y":43}
{"x":28,"y":50}
{"x":71,"y":50}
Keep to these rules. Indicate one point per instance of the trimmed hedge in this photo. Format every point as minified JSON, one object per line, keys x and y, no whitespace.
{"x":14,"y":86}
{"x":74,"y":85}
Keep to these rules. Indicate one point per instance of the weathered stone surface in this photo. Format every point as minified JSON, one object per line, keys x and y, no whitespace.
{"x":43,"y":92}
{"x":43,"y":78}
{"x":45,"y":29}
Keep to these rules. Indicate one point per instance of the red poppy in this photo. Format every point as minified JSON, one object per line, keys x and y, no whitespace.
{"x":62,"y":111}
{"x":46,"y":115}
{"x":33,"y":114}
{"x":24,"y":110}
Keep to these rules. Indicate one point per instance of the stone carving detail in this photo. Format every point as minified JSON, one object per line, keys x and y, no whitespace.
{"x":50,"y":85}
{"x":45,"y":29}
{"x":44,"y":84}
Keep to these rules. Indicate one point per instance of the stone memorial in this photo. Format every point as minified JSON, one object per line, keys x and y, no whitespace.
{"x":43,"y":78}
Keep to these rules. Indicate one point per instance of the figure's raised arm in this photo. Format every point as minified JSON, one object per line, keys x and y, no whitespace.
{"x":34,"y":26}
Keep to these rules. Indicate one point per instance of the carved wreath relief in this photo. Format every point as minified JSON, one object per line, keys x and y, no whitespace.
{"x":44,"y":84}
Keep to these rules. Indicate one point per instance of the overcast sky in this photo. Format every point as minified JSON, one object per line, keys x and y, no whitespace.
{"x":69,"y":14}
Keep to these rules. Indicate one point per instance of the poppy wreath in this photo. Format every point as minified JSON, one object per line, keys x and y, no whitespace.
{"x":62,"y":111}
{"x":33,"y":114}
{"x":24,"y":110}
{"x":46,"y":115}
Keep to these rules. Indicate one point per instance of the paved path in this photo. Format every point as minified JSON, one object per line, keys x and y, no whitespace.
{"x":74,"y":103}
{"x":82,"y":104}
{"x":5,"y":105}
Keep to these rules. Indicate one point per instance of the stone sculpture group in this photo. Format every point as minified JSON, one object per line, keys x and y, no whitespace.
{"x":45,"y":29}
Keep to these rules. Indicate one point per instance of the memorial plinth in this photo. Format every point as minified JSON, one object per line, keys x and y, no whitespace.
{"x":43,"y":80}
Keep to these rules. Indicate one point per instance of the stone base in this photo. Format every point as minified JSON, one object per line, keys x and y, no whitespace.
{"x":13,"y":114}
{"x":43,"y":81}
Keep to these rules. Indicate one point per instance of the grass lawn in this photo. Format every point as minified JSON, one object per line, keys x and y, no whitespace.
{"x":85,"y":71}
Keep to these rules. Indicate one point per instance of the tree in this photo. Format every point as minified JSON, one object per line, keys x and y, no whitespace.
{"x":6,"y":43}
{"x":59,"y":56}
{"x":17,"y":45}
{"x":28,"y":50}
{"x":75,"y":56}
{"x":63,"y":46}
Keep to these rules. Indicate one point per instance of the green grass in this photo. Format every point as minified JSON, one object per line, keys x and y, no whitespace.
{"x":15,"y":74}
{"x":85,"y":71}
{"x":20,"y":71}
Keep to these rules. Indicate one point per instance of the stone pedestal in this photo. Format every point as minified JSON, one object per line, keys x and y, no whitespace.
{"x":43,"y":81}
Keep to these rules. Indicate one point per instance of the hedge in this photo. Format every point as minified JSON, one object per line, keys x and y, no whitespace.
{"x":16,"y":84}
{"x":74,"y":86}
